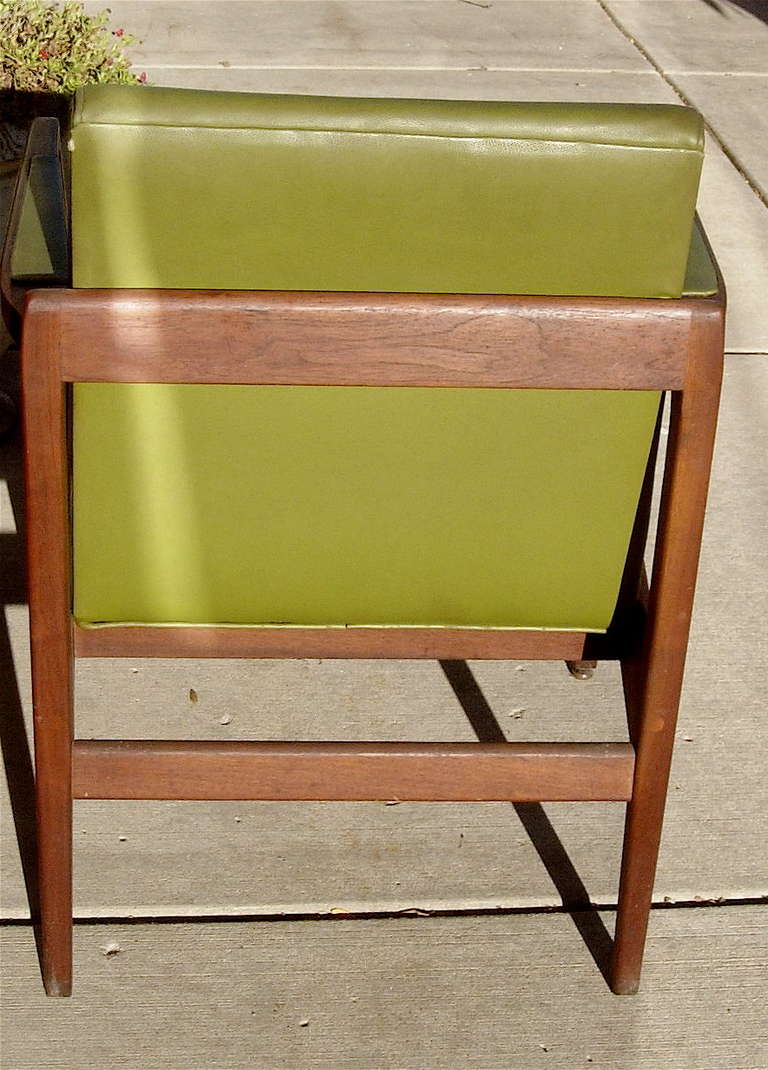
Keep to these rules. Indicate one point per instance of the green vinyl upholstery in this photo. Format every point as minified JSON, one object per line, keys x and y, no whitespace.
{"x":355,"y":505}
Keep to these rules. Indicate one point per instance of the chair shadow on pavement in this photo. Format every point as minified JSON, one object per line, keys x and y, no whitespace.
{"x":571,"y":889}
{"x":752,"y":7}
{"x":14,"y":742}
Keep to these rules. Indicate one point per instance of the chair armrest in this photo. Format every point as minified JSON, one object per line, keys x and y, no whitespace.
{"x":39,"y":203}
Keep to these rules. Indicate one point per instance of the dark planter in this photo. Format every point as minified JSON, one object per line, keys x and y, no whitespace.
{"x":18,"y":109}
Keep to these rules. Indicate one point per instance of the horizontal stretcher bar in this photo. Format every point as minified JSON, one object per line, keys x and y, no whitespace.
{"x":429,"y":772}
{"x":203,"y":641}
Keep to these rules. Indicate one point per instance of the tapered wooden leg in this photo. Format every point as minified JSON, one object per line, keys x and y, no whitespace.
{"x":581,"y":670}
{"x":642,"y":837}
{"x":653,"y":679}
{"x":48,"y":561}
{"x":53,"y":762}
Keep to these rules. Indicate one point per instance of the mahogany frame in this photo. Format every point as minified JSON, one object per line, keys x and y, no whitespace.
{"x":359,"y":339}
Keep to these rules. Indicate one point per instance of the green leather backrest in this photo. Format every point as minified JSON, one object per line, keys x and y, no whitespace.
{"x":301,"y":505}
{"x":178,"y":188}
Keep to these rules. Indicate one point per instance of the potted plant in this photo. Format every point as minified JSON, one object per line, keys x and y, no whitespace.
{"x":47,"y":51}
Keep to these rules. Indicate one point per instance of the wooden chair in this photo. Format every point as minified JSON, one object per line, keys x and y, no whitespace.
{"x":600,"y":322}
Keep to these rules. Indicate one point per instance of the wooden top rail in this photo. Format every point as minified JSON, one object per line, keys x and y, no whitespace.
{"x":212,"y":336}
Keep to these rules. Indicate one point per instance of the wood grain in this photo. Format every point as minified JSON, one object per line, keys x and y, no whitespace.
{"x":446,"y":772}
{"x":263,"y":642}
{"x":371,"y":339}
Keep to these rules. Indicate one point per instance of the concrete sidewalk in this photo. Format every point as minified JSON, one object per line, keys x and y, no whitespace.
{"x":217,"y":983}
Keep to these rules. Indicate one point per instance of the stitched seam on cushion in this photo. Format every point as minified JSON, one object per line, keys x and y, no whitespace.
{"x":94,"y":625}
{"x":698,"y":151}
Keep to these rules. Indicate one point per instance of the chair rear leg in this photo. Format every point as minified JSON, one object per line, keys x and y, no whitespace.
{"x":581,"y":670}
{"x":53,"y":762}
{"x":50,"y":628}
{"x":653,"y":678}
{"x":642,"y":837}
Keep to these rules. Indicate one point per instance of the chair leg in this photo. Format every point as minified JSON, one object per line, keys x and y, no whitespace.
{"x":642,"y":837}
{"x":653,"y":678}
{"x":53,"y":761}
{"x":652,"y":682}
{"x":581,"y":670}
{"x":50,"y":632}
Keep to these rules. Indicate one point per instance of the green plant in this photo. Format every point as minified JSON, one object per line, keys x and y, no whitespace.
{"x":51,"y":49}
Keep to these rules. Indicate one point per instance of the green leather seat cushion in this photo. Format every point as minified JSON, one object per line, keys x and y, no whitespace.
{"x":323,"y":505}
